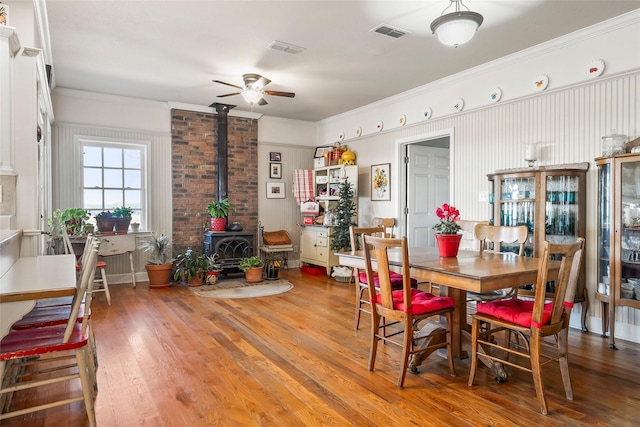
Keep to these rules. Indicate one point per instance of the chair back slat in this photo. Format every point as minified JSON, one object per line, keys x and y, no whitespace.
{"x":355,"y":234}
{"x":565,"y":283}
{"x":501,"y":234}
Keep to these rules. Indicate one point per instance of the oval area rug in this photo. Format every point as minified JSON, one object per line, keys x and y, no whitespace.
{"x":239,"y":288}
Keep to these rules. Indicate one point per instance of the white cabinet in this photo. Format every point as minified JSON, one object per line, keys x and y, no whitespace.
{"x":327,"y":182}
{"x":315,"y":247}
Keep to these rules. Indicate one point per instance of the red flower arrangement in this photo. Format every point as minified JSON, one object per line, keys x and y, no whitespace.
{"x":448,"y":216}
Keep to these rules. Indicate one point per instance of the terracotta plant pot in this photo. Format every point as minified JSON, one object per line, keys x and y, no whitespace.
{"x":218,"y":224}
{"x":159,"y":275}
{"x":197,"y":280}
{"x":448,"y":244}
{"x":122,"y":224}
{"x":253,"y":275}
{"x":105,"y":225}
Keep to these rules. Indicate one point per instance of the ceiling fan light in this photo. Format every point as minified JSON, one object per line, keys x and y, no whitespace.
{"x":456,"y":28}
{"x":252,"y":96}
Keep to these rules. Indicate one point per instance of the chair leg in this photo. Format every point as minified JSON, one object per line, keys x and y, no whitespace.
{"x":536,"y":370}
{"x":475,"y":326}
{"x":87,"y":384}
{"x":407,"y":346}
{"x":133,"y":272}
{"x":359,"y":293}
{"x":563,"y":360}
{"x":375,"y":326}
{"x":452,"y":369}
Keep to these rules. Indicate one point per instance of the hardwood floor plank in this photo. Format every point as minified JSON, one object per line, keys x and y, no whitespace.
{"x":171,"y":358}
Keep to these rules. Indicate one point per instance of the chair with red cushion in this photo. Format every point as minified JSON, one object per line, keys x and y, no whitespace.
{"x":42,"y":350}
{"x":355,"y":234}
{"x":410,"y":307}
{"x":531,"y":321}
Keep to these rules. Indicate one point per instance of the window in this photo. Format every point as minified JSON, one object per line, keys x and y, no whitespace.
{"x":113,"y":175}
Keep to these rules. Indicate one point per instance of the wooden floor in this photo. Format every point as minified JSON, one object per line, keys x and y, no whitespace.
{"x":170,"y":358}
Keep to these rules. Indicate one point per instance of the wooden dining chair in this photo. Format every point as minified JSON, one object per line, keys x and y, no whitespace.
{"x":469,"y":242}
{"x":499,"y":238}
{"x":531,"y":322}
{"x":355,"y":234}
{"x":389,"y":225}
{"x":408,"y":306}
{"x":39,"y":353}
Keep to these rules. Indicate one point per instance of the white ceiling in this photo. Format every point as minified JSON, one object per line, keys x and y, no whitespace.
{"x":172,"y":50}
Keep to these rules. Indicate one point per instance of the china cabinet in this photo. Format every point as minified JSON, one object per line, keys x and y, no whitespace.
{"x":315,"y":240}
{"x":551,"y":202}
{"x":618,"y":269}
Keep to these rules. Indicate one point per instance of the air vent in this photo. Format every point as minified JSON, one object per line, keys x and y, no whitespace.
{"x":389,"y":31}
{"x":286,"y":47}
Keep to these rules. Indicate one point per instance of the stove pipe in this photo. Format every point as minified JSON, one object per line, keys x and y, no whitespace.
{"x":222,"y":140}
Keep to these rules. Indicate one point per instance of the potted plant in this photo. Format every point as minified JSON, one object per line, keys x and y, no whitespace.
{"x":447,"y":230}
{"x":123,"y":218}
{"x":219,"y":211}
{"x":252,"y":267}
{"x":189,"y":267}
{"x":74,"y":219}
{"x":105,"y":221}
{"x":345,"y":211}
{"x":213,"y":268}
{"x":159,"y":266}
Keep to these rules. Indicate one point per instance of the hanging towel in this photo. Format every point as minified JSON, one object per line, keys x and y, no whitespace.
{"x":303,"y":185}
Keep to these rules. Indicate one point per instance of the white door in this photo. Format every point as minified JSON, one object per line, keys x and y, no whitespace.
{"x":427,"y":188}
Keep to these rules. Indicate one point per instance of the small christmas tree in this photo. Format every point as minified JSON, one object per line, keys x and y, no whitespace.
{"x":345,"y":211}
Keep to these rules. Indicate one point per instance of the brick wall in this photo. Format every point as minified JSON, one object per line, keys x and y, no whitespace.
{"x":195,"y":173}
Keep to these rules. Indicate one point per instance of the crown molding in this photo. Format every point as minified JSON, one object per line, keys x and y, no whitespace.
{"x":204,"y":109}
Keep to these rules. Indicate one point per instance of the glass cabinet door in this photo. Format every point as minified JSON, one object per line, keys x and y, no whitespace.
{"x":518,"y":207}
{"x":630,"y":236}
{"x":561,"y":208}
{"x":604,"y":235}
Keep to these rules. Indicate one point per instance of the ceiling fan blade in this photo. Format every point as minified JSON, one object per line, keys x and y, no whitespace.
{"x":228,"y":84}
{"x":228,"y":94}
{"x":278,"y":93}
{"x":262,"y":101}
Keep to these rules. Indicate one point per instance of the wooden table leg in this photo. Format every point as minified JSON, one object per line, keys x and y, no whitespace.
{"x":459,"y":319}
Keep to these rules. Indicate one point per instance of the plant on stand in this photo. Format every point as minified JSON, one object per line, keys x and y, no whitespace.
{"x":345,"y":211}
{"x":123,"y":218}
{"x":447,"y":230}
{"x":252,"y":267}
{"x":219,"y":211}
{"x":105,"y":222}
{"x":159,"y":266}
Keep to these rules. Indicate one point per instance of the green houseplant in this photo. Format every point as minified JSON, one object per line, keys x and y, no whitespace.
{"x":189,"y":267}
{"x":105,"y":222}
{"x":159,"y":266}
{"x":213,"y":268}
{"x":74,"y":219}
{"x":123,"y":218}
{"x":252,"y":267}
{"x":219,"y":211}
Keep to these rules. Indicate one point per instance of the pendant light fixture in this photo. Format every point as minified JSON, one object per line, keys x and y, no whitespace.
{"x":251,"y":95}
{"x":456,"y":28}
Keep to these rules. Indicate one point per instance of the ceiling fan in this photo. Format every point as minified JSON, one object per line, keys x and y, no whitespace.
{"x":253,"y":91}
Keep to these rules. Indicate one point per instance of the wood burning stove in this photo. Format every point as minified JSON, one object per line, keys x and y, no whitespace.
{"x":231,"y":246}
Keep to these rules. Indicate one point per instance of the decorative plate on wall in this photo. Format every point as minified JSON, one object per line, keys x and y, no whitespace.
{"x":458,"y":105}
{"x":358,"y":131}
{"x":341,"y":136}
{"x":427,"y":113}
{"x":379,"y":126}
{"x":540,"y":83}
{"x":595,"y":69}
{"x":402,"y":120}
{"x":495,"y":94}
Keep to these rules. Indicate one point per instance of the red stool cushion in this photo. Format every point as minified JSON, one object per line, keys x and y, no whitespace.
{"x":421,"y":302}
{"x":514,"y":311}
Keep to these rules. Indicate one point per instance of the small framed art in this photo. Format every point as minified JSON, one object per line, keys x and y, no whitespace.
{"x":321,"y":151}
{"x":275,"y":190}
{"x":275,"y":157}
{"x":275,"y":170}
{"x":381,"y":182}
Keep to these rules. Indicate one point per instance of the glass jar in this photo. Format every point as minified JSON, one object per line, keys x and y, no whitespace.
{"x":613,"y":144}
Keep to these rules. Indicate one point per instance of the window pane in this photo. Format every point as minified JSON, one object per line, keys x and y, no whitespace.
{"x":113,"y":178}
{"x":93,"y":199}
{"x":112,"y":199}
{"x":132,"y":178}
{"x":133,"y":198}
{"x":112,"y":157}
{"x":92,"y":177}
{"x":132,"y":159}
{"x":92,"y":156}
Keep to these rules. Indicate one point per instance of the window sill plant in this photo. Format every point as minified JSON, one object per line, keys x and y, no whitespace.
{"x":123,"y":216}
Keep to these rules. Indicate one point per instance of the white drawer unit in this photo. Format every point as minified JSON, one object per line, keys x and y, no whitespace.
{"x":315,"y":247}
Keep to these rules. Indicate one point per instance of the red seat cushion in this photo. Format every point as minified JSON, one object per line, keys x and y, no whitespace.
{"x":396,"y":279}
{"x":421,"y":302}
{"x":47,"y":316}
{"x":31,"y":342}
{"x":514,"y":310}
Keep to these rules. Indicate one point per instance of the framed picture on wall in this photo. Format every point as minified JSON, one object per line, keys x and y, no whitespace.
{"x":275,"y":170}
{"x":381,"y":182}
{"x":275,"y":190}
{"x":321,"y":151}
{"x":275,"y":157}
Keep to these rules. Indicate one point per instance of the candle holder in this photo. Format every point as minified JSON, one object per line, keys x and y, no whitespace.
{"x":531,"y":153}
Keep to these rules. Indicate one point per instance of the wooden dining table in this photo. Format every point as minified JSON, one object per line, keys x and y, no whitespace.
{"x":469,"y":271}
